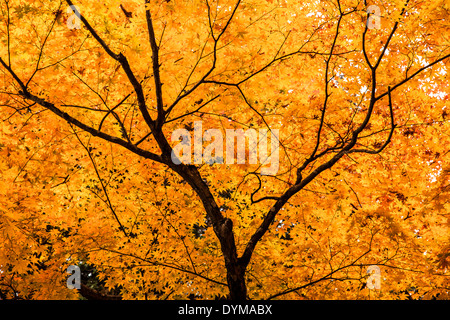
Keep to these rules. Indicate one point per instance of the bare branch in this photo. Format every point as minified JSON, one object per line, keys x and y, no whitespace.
{"x":105,"y":191}
{"x":155,"y":63}
{"x":51,"y":107}
{"x":211,"y":69}
{"x":388,"y":140}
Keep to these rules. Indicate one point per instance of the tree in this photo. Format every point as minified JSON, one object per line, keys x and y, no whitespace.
{"x":90,"y":99}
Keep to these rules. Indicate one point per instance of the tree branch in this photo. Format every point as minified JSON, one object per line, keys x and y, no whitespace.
{"x":155,"y":63}
{"x":91,"y":294}
{"x":51,"y":107}
{"x":127,"y":69}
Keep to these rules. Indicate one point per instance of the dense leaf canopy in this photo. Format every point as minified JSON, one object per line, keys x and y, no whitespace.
{"x":88,"y":106}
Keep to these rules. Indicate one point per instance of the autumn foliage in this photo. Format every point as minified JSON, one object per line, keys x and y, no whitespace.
{"x":86,"y":175}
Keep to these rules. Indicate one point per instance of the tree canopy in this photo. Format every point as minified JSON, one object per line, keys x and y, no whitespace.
{"x":90,"y":96}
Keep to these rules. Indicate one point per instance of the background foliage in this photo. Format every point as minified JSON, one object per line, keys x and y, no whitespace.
{"x":82,"y":179}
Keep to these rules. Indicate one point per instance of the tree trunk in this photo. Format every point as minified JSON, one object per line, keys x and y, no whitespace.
{"x":235,"y":269}
{"x":236,"y":282}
